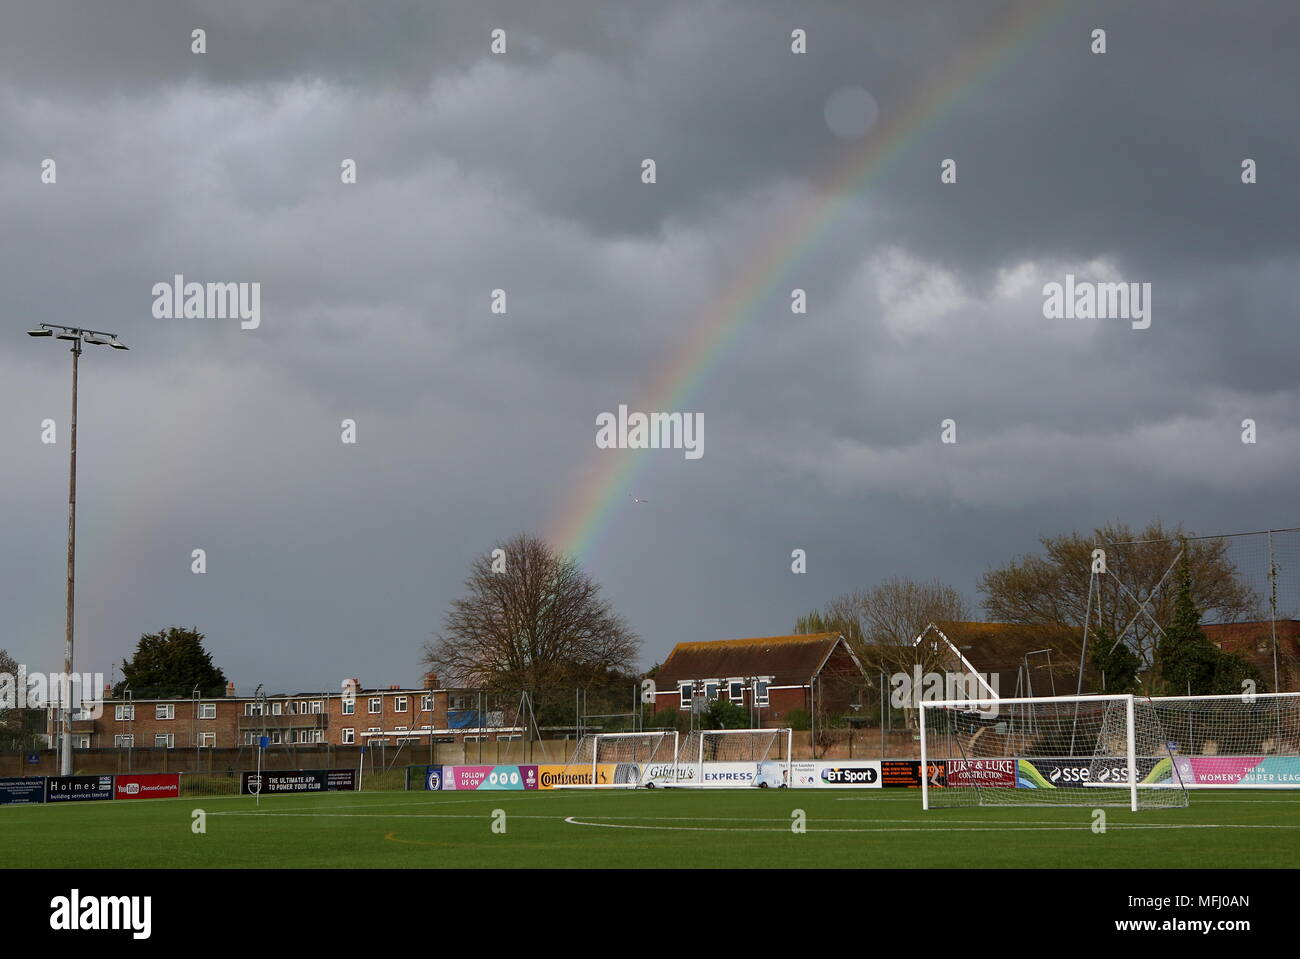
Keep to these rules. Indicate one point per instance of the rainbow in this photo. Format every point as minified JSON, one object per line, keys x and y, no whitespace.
{"x":607,"y":485}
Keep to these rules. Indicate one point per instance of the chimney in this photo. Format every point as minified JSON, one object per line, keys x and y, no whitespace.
{"x":230,"y":689}
{"x":430,"y":680}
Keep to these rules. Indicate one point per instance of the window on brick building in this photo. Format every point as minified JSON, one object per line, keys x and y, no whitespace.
{"x":164,"y":711}
{"x":207,"y":710}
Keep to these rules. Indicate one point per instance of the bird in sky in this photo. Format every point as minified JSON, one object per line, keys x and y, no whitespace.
{"x":637,"y":499}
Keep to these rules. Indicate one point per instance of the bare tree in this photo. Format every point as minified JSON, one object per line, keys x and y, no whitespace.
{"x":880,"y":623}
{"x":1051,"y":589}
{"x":530,"y":619}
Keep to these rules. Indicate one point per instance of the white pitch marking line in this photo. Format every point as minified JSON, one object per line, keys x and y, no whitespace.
{"x":574,"y":821}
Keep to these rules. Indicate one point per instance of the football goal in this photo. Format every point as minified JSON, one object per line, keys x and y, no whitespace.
{"x":1047,"y":751}
{"x":619,"y":760}
{"x":1233,"y":742}
{"x":731,"y":758}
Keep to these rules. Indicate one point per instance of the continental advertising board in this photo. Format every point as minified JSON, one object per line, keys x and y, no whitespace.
{"x":550,"y":776}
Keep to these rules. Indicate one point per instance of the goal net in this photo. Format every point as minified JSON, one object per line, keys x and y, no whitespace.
{"x":1047,"y":751}
{"x":1234,"y":742}
{"x":619,"y":760}
{"x":731,"y":758}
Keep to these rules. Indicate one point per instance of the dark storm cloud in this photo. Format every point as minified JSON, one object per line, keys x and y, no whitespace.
{"x":521,"y":172}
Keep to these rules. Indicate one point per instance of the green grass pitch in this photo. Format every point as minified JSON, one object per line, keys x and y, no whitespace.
{"x":645,"y":828}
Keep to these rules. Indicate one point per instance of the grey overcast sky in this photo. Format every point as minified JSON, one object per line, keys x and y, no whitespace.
{"x":522,"y":171}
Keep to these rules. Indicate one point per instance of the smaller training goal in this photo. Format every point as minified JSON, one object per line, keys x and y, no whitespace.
{"x":733,"y":758}
{"x":1047,"y":751}
{"x":619,"y":760}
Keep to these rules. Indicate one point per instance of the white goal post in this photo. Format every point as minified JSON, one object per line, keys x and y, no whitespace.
{"x":732,"y":758}
{"x":1238,"y":741}
{"x":620,"y":760}
{"x":1047,"y":751}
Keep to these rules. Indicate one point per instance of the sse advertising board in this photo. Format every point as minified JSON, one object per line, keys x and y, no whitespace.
{"x":489,"y":777}
{"x":1059,"y":773}
{"x":143,"y":786}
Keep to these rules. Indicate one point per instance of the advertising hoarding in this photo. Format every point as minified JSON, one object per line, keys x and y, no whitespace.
{"x":299,"y":781}
{"x":489,"y":777}
{"x":22,"y":790}
{"x":147,"y":786}
{"x":78,"y":788}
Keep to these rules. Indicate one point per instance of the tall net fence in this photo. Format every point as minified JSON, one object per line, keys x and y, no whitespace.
{"x":1245,"y":585}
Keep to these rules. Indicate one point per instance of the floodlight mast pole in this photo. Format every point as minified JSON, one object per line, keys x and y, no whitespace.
{"x":65,"y":767}
{"x":97,"y":338}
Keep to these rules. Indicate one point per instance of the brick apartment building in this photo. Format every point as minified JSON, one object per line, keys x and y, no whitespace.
{"x":354,"y":716}
{"x":771,"y":676}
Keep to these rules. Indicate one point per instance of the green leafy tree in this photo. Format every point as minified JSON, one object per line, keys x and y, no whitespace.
{"x":171,"y":662}
{"x":1188,"y":663}
{"x":1116,"y":664}
{"x":799,"y":720}
{"x":670,"y":719}
{"x":724,"y":714}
